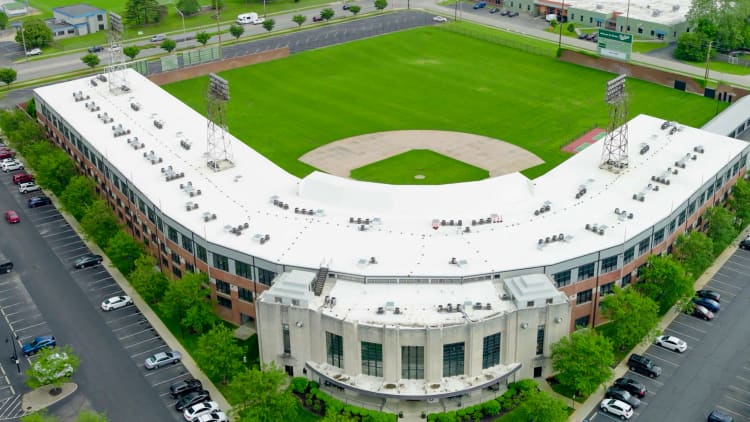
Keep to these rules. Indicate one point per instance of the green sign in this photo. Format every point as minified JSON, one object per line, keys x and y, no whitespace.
{"x":615,"y":45}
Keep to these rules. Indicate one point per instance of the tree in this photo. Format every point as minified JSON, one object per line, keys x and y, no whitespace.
{"x":724,"y":22}
{"x":354,"y":9}
{"x":78,"y":195}
{"x":122,"y":250}
{"x":8,"y":75}
{"x":36,"y":33}
{"x":217,"y":4}
{"x":541,"y":406}
{"x":91,"y":416}
{"x":3,"y":20}
{"x":183,"y":294}
{"x":188,"y":7}
{"x":31,"y":108}
{"x":260,"y":396}
{"x":131,"y":51}
{"x":168,"y":45}
{"x":199,"y":317}
{"x":99,"y":223}
{"x":691,"y":46}
{"x":142,"y":12}
{"x":740,"y":199}
{"x":694,"y":251}
{"x":39,"y":416}
{"x":52,"y":367}
{"x":91,"y":60}
{"x":381,"y":4}
{"x":720,"y":227}
{"x":664,"y":281}
{"x":219,"y":354}
{"x":583,"y":361}
{"x":334,"y":416}
{"x":202,"y":37}
{"x":299,"y":19}
{"x":268,"y":24}
{"x":147,"y":279}
{"x":236,"y":31}
{"x":54,"y":168}
{"x":327,"y":13}
{"x":631,"y":315}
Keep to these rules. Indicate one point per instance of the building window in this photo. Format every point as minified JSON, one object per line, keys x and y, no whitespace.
{"x":187,"y":244}
{"x":172,"y":233}
{"x":582,"y":322}
{"x":245,"y":295}
{"x":189,"y":267}
{"x":222,"y":301}
{"x":691,"y":208}
{"x":540,"y":340}
{"x":626,"y":279}
{"x":151,"y":215}
{"x":100,"y":17}
{"x":287,"y":340}
{"x":201,"y":253}
{"x":412,"y":362}
{"x":585,"y":271}
{"x":681,"y":217}
{"x":562,"y":278}
{"x":644,"y":246}
{"x":672,"y":225}
{"x":175,"y":257}
{"x":491,"y":351}
{"x":222,"y":287}
{"x":583,"y":297}
{"x":176,"y":271}
{"x":609,"y":264}
{"x":335,"y":350}
{"x":221,"y":262}
{"x":372,"y":359}
{"x":265,"y":276}
{"x":606,"y":289}
{"x":641,"y":269}
{"x":658,"y":236}
{"x":628,"y":255}
{"x":640,"y":30}
{"x":453,"y":359}
{"x":243,"y":269}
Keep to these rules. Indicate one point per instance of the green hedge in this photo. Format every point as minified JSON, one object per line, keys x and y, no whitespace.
{"x":321,"y":403}
{"x":508,"y":401}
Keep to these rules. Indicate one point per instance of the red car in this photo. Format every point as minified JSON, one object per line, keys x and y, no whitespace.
{"x":6,"y":153}
{"x":12,"y":217}
{"x":317,"y":18}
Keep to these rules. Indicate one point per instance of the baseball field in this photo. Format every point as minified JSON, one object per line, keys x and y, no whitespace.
{"x":432,"y":78}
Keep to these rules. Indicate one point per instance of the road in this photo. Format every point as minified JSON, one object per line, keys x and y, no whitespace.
{"x":45,"y":296}
{"x":714,"y":373}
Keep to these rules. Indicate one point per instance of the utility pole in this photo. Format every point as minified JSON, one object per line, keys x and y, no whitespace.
{"x":562,"y":11}
{"x":708,"y":60}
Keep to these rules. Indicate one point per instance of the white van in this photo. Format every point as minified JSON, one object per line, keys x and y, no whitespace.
{"x":158,"y":38}
{"x":246,"y":18}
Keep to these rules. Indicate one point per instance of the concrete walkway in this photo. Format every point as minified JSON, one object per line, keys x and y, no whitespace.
{"x":148,"y":313}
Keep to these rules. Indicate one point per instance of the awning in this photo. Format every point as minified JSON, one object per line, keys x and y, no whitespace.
{"x":660,"y":32}
{"x":599,"y":20}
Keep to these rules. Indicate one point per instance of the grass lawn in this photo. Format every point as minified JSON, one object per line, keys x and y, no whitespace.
{"x":173,"y":22}
{"x":437,"y":169}
{"x":437,"y":78}
{"x":646,"y":46}
{"x":723,"y":67}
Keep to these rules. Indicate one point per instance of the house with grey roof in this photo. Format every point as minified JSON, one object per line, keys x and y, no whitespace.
{"x":79,"y":19}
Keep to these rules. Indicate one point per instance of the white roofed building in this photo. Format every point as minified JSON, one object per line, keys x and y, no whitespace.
{"x":369,"y":277}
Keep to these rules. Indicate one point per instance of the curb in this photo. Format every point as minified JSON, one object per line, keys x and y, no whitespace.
{"x":41,"y":398}
{"x":596,"y":397}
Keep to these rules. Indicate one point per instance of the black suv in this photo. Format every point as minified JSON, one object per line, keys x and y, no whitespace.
{"x":631,"y":386}
{"x":622,"y":395}
{"x":38,"y":201}
{"x":190,"y":399}
{"x":88,"y":260}
{"x":642,"y":364}
{"x":185,"y":386}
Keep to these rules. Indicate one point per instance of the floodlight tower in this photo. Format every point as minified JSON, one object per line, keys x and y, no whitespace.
{"x":219,"y":152}
{"x":615,"y":147}
{"x":116,"y":75}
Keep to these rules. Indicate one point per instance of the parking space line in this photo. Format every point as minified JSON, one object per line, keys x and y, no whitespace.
{"x":22,"y":319}
{"x":149,"y":351}
{"x":17,"y":312}
{"x":637,"y":375}
{"x":15,"y":287}
{"x":746,"y":404}
{"x":144,"y":341}
{"x":129,"y":325}
{"x":725,"y":410}
{"x":727,"y":284}
{"x":661,"y":359}
{"x":151,"y":329}
{"x":30,"y":326}
{"x":126,"y":316}
{"x":722,"y":291}
{"x":681,"y":334}
{"x":169,"y":380}
{"x":690,"y":326}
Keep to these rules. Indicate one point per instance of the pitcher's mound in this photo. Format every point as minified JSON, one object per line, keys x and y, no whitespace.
{"x":497,"y":157}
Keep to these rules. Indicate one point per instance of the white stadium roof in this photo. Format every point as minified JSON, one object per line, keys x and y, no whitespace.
{"x":667,"y":12}
{"x":400,"y":237}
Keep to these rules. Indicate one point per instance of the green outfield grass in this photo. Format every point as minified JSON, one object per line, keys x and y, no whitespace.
{"x":437,"y":169}
{"x":427,"y":78}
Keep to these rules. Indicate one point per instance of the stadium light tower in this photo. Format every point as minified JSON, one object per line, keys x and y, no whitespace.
{"x":615,"y":146}
{"x":116,"y":75}
{"x":219,"y":153}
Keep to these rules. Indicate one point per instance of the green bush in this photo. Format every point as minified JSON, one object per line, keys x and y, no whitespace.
{"x":299,"y":384}
{"x":491,"y":408}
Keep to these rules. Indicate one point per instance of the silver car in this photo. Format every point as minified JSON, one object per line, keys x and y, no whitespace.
{"x":163,"y":358}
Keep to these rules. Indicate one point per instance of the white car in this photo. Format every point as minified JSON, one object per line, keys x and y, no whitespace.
{"x":116,"y":302}
{"x":12,"y":166}
{"x":28,"y":187}
{"x":258,"y":21}
{"x":616,"y":408}
{"x":33,"y":52}
{"x":55,"y":369}
{"x":7,"y":160}
{"x":440,"y":19}
{"x":671,"y":343}
{"x":197,"y":410}
{"x":214,"y":417}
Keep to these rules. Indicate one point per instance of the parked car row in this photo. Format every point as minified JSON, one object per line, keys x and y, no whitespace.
{"x":195,"y":402}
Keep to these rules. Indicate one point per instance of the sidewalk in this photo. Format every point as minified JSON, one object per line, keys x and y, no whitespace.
{"x":148,"y":313}
{"x":583,"y":410}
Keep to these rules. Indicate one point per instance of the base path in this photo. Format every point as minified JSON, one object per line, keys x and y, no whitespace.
{"x":497,"y":157}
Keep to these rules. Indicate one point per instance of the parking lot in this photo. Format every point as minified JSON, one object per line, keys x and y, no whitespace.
{"x":127,"y":326}
{"x":714,"y":371}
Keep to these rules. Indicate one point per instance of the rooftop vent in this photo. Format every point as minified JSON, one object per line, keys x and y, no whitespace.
{"x":666,"y":124}
{"x":189,"y":189}
{"x":546,"y":206}
{"x":135,"y":143}
{"x":207,"y":216}
{"x":262,"y":238}
{"x":80,"y":96}
{"x":699,"y":149}
{"x":118,"y":131}
{"x":104,"y":117}
{"x":185,"y":144}
{"x":92,"y":106}
{"x":644,"y":148}
{"x":656,"y":12}
{"x":236,"y":230}
{"x":135,"y":106}
{"x":623,"y":214}
{"x":101,"y":78}
{"x":189,"y":206}
{"x":159,"y":123}
{"x":675,"y":7}
{"x":170,"y":174}
{"x":381,"y":310}
{"x":597,"y":228}
{"x":151,"y":156}
{"x":93,"y":82}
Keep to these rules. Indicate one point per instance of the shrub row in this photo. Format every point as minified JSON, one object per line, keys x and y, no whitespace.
{"x":321,"y":403}
{"x":512,"y":398}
